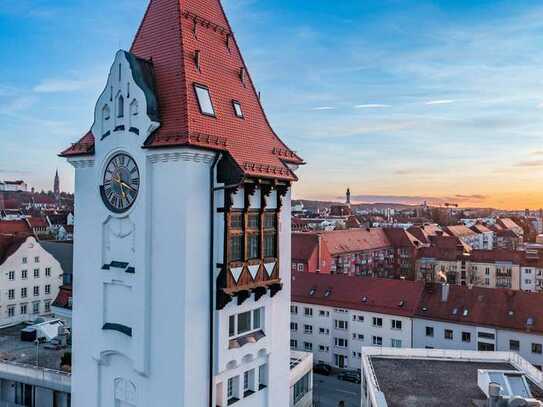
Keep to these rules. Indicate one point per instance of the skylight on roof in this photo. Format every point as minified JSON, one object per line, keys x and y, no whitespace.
{"x":466,"y":312}
{"x":364,"y":299}
{"x":328,"y":292}
{"x":204,"y":100}
{"x":237,"y":109}
{"x":312,"y":292}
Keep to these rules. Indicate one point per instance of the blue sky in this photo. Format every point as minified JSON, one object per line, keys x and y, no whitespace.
{"x":400,"y":100}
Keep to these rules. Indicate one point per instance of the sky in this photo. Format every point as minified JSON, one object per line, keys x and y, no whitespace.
{"x":402,"y":101}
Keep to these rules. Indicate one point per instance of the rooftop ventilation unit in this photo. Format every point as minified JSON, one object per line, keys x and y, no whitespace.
{"x":505,"y":388}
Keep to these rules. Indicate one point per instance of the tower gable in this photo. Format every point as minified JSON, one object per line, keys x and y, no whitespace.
{"x":128,"y":106}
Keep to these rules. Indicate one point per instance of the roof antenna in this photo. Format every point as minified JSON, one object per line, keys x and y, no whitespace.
{"x":197,"y":59}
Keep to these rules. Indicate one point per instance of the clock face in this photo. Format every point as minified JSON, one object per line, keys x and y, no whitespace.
{"x":121,"y":183}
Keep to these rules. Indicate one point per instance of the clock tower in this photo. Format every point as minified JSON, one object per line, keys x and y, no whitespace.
{"x":182,"y":233}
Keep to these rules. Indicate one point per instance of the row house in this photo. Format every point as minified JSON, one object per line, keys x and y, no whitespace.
{"x":462,"y":318}
{"x":376,"y":252}
{"x":334,"y":316}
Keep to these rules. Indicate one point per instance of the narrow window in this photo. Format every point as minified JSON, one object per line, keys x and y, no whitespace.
{"x":204,"y":100}
{"x":120,"y":106}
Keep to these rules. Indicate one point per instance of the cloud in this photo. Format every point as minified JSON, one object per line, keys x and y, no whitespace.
{"x":17,"y":104}
{"x":439,"y":102}
{"x":532,"y":163}
{"x":59,"y":86}
{"x":537,"y":152}
{"x":473,"y":197}
{"x":324,"y":108}
{"x":371,"y":106}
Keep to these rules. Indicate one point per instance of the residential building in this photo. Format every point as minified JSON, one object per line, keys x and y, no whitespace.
{"x":13,"y":186}
{"x":438,"y":378}
{"x":455,"y":317}
{"x":496,"y":268}
{"x":309,"y":254}
{"x":29,"y":279}
{"x":333,"y":316}
{"x":182,"y":255}
{"x":405,"y":247}
{"x":62,"y":251}
{"x":487,"y":236}
{"x":468,"y":236}
{"x":510,"y":224}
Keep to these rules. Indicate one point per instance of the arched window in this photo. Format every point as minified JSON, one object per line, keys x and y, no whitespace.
{"x":105,"y":113}
{"x":120,"y":106}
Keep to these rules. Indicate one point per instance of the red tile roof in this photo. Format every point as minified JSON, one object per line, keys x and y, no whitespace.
{"x":496,"y":255}
{"x":508,"y":223}
{"x":459,"y":231}
{"x":494,"y":307}
{"x":304,"y":245}
{"x":63,"y":298}
{"x":14,"y":227}
{"x":170,"y":34}
{"x":9,"y":244}
{"x":423,"y":233}
{"x":402,"y":238}
{"x":355,"y":240}
{"x":381,"y":295}
{"x":36,"y":222}
{"x":478,"y":228}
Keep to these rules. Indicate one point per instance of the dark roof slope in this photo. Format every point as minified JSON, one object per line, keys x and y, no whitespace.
{"x":62,"y":251}
{"x":304,"y":245}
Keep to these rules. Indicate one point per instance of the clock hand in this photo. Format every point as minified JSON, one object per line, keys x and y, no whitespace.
{"x":124,"y":184}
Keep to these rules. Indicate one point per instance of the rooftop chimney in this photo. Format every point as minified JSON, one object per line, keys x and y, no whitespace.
{"x":444,"y":292}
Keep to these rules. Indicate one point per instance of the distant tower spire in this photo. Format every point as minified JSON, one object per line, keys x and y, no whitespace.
{"x":56,"y":188}
{"x":348,"y":201}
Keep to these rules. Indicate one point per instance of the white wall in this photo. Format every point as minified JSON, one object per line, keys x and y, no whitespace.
{"x":365,"y":328}
{"x":24,"y":259}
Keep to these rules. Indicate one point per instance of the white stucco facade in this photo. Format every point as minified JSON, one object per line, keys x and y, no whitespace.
{"x":338,"y":343}
{"x":30,"y":279}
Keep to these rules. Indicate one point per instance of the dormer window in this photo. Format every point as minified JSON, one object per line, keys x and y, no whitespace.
{"x":204,"y":100}
{"x":237,"y":109}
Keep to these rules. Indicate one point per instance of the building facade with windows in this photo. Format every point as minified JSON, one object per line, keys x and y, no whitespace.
{"x":182,"y":255}
{"x":30,"y":279}
{"x":454,"y":317}
{"x":334,"y":316}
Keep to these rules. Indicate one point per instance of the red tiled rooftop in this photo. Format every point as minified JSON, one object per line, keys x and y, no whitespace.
{"x":355,"y":240}
{"x":304,"y":245}
{"x":170,"y":34}
{"x":381,"y":295}
{"x":509,"y":309}
{"x":459,"y":231}
{"x":13,"y":227}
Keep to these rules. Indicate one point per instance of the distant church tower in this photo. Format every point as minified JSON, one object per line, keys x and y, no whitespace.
{"x":182,"y":258}
{"x":56,"y":188}
{"x":348,"y":200}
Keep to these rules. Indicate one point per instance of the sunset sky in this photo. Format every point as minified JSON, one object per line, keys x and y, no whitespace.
{"x":402,"y":101}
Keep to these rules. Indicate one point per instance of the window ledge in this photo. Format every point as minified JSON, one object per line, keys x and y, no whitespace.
{"x":232,"y":401}
{"x":247,"y":393}
{"x":241,"y":341}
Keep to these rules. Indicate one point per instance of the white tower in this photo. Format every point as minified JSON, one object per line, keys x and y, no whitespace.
{"x":182,"y":234}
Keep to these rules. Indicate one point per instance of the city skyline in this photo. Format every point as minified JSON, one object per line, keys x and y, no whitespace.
{"x":399,"y":104}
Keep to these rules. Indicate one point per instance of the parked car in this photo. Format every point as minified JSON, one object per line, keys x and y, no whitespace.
{"x":323,"y":369}
{"x":350,"y":376}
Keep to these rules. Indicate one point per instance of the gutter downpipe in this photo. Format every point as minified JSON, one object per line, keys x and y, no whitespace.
{"x":212,"y":266}
{"x":212,"y":279}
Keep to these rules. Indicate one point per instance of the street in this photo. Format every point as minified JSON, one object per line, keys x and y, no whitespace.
{"x":328,"y":391}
